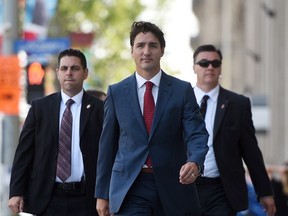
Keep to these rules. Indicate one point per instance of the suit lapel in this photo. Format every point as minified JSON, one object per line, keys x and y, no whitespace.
{"x":222,"y":105}
{"x":85,"y":112}
{"x":54,"y":106}
{"x":164,"y":94}
{"x":130,"y":89}
{"x":86,"y":109}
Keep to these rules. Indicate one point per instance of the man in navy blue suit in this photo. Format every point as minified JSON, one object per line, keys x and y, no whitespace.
{"x":222,"y":187}
{"x":176,"y":143}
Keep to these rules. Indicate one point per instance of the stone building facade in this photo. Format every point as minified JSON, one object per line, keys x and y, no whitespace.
{"x":253,"y":36}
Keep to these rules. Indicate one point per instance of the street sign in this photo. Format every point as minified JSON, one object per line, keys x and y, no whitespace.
{"x":41,"y":50}
{"x":45,"y":46}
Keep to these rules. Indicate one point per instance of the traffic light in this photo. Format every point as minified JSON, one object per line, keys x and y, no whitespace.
{"x":35,"y":81}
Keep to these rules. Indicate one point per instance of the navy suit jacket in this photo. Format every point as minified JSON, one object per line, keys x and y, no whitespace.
{"x":177,"y":135}
{"x":234,"y":142}
{"x":34,"y":167}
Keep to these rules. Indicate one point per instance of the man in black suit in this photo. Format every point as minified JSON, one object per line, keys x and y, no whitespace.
{"x":222,"y":188}
{"x":36,"y":186}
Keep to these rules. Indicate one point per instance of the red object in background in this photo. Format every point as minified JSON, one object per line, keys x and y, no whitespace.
{"x":35,"y":74}
{"x":35,"y":81}
{"x":30,"y":35}
{"x":79,"y":39}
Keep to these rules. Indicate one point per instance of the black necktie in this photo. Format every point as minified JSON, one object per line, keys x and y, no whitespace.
{"x":203,"y":106}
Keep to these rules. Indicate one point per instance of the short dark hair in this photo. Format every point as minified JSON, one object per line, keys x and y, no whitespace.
{"x":73,"y":52}
{"x":206,"y":48}
{"x":144,"y":27}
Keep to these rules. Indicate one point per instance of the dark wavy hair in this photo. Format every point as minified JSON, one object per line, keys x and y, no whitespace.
{"x":144,"y":27}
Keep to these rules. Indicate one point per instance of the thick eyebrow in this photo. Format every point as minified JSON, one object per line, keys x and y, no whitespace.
{"x":149,"y":43}
{"x":72,"y":66}
{"x":153,"y":43}
{"x":140,"y":43}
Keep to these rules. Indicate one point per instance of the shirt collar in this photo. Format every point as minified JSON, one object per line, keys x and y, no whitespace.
{"x":155,"y":80}
{"x":213,"y":94}
{"x":77,"y":98}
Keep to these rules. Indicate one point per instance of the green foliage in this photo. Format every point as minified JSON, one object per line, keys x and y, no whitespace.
{"x":109,"y":57}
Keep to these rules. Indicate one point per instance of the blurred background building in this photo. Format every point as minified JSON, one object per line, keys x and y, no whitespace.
{"x":252,"y":35}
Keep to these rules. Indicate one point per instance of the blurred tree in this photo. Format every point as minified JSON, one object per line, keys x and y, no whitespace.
{"x":109,"y":56}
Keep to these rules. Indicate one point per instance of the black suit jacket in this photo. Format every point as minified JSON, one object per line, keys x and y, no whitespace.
{"x":34,"y":167}
{"x":234,"y":140}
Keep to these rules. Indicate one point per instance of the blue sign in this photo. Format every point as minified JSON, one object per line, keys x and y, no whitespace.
{"x":41,"y":50}
{"x":45,"y":46}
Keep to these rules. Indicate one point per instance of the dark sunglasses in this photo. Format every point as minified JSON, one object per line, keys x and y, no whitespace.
{"x":206,"y":63}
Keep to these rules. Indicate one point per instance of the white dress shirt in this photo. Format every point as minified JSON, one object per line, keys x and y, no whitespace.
{"x":210,"y":166}
{"x":141,"y":88}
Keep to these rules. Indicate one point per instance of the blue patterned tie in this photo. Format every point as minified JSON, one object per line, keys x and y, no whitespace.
{"x":65,"y":136}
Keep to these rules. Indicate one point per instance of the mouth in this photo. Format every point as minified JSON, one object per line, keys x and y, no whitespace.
{"x":147,"y":59}
{"x":209,"y":74}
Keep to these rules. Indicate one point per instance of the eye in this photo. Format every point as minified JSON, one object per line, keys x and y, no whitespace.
{"x":63,"y":68}
{"x":140,"y":45}
{"x":153,"y":45}
{"x":75,"y":68}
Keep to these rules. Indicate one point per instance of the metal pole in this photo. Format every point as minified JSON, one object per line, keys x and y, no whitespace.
{"x":10,"y":123}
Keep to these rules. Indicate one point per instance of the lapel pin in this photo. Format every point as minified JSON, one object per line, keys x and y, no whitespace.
{"x":222,"y":106}
{"x":88,"y":106}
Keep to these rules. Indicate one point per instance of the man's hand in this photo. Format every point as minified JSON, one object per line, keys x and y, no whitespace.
{"x":102,"y":207}
{"x":16,"y":204}
{"x":188,"y":173}
{"x":269,"y":205}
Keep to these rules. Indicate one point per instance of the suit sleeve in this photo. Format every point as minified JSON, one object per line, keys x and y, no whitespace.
{"x":107,"y":148}
{"x":252,"y":154}
{"x":195,"y":132}
{"x":23,"y":156}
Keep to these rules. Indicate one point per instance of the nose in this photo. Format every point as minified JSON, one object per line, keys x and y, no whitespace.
{"x":210,"y":66}
{"x":69,"y":70}
{"x":146,"y":50}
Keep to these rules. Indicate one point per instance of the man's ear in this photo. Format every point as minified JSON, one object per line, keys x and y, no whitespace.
{"x":194,"y":68}
{"x":163,"y":51}
{"x":57,"y":69}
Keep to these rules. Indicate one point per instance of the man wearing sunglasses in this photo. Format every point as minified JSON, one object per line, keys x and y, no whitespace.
{"x":222,"y":187}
